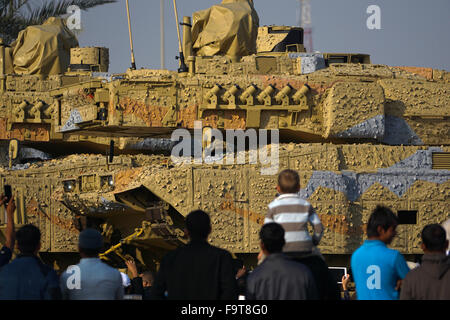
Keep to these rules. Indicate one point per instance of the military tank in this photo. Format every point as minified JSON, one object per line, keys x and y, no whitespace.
{"x":359,"y":135}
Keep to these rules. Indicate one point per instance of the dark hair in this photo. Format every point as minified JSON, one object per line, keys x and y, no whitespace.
{"x":381,"y":216}
{"x":28,"y":239}
{"x":147,"y":275}
{"x":434,"y":237}
{"x":272,"y":236}
{"x":91,"y":253}
{"x":289,"y":181}
{"x":198,"y":224}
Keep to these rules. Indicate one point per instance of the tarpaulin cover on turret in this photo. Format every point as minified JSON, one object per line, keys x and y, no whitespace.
{"x":43,"y":49}
{"x":229,"y":28}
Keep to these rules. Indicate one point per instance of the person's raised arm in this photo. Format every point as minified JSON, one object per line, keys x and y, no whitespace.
{"x":136,"y":281}
{"x":10,"y":232}
{"x":345,"y":280}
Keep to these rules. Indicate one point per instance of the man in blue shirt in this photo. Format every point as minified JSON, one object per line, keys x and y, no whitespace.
{"x":378,"y":270}
{"x":27,"y":278}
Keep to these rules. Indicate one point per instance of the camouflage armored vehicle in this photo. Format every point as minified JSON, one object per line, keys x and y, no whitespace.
{"x":359,"y":135}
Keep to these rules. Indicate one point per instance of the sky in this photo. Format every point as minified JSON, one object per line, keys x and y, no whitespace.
{"x":413,"y":32}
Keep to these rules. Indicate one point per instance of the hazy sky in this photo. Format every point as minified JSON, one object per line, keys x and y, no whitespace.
{"x":413,"y":32}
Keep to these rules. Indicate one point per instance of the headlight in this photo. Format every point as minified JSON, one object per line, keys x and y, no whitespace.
{"x":110,"y":181}
{"x":107,"y":181}
{"x":69,"y":185}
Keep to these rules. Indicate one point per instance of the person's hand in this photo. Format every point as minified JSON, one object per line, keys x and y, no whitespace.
{"x":131,"y":265}
{"x":240,"y":272}
{"x":345,"y":280}
{"x":11,"y":206}
{"x":399,"y":285}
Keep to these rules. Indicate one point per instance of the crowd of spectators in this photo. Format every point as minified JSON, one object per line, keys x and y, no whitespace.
{"x":290,"y":265}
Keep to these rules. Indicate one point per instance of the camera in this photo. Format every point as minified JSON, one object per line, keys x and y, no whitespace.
{"x":7,"y":193}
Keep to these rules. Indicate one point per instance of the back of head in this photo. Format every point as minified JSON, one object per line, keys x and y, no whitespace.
{"x":272,"y":236}
{"x":383,"y":217}
{"x":28,"y":239}
{"x":289,"y":181}
{"x":90,"y":242}
{"x":147,"y":276}
{"x":198,"y":224}
{"x":434,"y":238}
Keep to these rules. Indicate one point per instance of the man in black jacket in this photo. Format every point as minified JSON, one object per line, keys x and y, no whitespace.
{"x":197,"y":270}
{"x":431,"y":280}
{"x":278,"y":277}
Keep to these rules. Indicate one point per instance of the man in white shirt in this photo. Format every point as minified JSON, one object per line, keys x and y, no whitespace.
{"x":91,"y":279}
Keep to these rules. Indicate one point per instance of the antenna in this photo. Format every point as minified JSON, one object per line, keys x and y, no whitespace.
{"x":162,"y":34}
{"x":305,"y":21}
{"x":133,"y":62}
{"x":183,"y":67}
{"x":111,"y":150}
